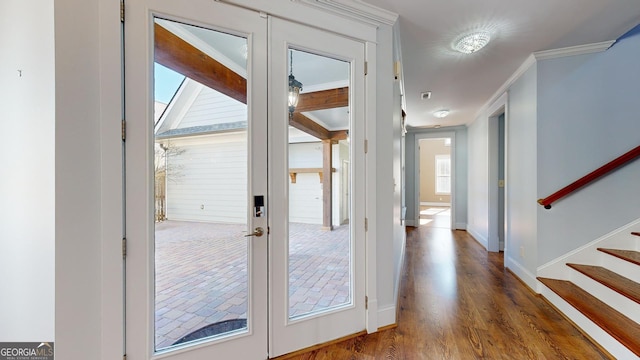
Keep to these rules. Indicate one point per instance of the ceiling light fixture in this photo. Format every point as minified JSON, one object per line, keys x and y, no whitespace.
{"x":471,"y":43}
{"x":441,"y":113}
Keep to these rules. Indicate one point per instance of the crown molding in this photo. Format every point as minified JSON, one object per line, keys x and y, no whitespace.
{"x":356,"y":9}
{"x":573,"y":50}
{"x":543,"y":55}
{"x":506,"y":85}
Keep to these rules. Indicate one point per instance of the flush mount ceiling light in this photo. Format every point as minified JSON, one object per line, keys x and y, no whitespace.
{"x":441,"y":113}
{"x":471,"y":43}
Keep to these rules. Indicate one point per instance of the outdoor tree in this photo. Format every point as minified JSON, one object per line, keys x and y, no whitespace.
{"x":165,"y":169}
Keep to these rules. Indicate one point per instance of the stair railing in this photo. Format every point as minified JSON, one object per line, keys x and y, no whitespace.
{"x":590,"y":177}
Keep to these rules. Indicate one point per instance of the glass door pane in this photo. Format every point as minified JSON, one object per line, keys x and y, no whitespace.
{"x":320,"y":269}
{"x":201,"y":184}
{"x":316,"y":166}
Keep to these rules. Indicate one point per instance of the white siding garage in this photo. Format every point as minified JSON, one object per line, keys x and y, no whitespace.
{"x":208,"y":180}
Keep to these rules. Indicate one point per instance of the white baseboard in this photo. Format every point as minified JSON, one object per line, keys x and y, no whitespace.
{"x":461,"y":226}
{"x":520,"y":271}
{"x":479,"y":238}
{"x":386,"y":316}
{"x":410,"y":223}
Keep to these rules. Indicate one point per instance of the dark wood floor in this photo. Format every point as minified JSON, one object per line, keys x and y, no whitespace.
{"x":457,"y":301}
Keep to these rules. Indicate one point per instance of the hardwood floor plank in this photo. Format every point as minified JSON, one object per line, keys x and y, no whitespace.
{"x":457,"y":301}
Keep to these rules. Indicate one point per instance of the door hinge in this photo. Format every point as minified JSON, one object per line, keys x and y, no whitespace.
{"x":366,"y":303}
{"x":366,"y":146}
{"x":366,"y":67}
{"x":123,"y":130}
{"x":124,"y":251}
{"x":121,"y":10}
{"x":366,"y":224}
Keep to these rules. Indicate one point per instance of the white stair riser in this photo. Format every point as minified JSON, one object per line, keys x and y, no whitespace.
{"x":605,"y":340}
{"x":622,"y":267}
{"x":622,"y":304}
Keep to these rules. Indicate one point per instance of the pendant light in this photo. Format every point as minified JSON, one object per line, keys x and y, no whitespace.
{"x":295,"y":87}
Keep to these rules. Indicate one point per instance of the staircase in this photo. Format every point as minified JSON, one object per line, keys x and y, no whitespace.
{"x":598,"y":288}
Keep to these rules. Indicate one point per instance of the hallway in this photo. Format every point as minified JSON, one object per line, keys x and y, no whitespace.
{"x":457,"y":301}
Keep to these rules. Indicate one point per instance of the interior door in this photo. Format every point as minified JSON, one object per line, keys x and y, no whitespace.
{"x":196,"y":170}
{"x":317,"y":268}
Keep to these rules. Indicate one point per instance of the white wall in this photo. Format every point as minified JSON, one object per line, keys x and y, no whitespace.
{"x":27,"y":190}
{"x":587,"y":115}
{"x":521,"y":178}
{"x":478,"y":201}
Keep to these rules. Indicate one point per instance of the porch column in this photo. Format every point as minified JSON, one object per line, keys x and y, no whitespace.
{"x":327,"y":186}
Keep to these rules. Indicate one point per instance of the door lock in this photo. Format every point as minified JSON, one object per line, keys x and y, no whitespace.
{"x":257,"y":232}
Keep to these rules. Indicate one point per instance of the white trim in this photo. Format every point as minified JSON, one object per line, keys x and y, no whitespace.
{"x":411,"y":223}
{"x":544,"y":55}
{"x":531,"y":60}
{"x":428,"y":203}
{"x":478,"y":237}
{"x":356,"y":10}
{"x":461,"y":226}
{"x":521,"y":272}
{"x":500,"y":106}
{"x":370,"y":169}
{"x":386,"y":316}
{"x":573,"y":50}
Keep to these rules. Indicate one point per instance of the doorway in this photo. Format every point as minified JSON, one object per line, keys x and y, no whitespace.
{"x":435,"y":180}
{"x":244,"y":228}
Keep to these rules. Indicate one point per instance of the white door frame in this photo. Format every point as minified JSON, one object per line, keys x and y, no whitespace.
{"x":499,"y":107}
{"x":435,"y":135}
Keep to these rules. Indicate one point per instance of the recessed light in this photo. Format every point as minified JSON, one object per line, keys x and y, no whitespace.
{"x":441,"y":113}
{"x":470,"y":43}
{"x":425,"y":95}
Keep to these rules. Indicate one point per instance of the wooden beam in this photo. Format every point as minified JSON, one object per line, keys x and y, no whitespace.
{"x":180,"y":56}
{"x":325,"y":99}
{"x":339,"y":135}
{"x":309,"y":126}
{"x":327,"y":186}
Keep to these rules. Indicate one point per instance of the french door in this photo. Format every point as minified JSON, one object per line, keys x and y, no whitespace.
{"x":244,"y":237}
{"x":316,"y":279}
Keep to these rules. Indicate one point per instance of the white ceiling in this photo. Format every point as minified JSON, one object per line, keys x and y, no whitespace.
{"x":464,"y":83}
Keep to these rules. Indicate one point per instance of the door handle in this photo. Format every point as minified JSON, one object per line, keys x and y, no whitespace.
{"x":257,"y":232}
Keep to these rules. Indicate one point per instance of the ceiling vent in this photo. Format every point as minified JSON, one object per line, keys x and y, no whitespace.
{"x":425,"y":95}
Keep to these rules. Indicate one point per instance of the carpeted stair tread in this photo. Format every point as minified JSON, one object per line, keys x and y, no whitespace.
{"x":610,"y":279}
{"x":620,"y":327}
{"x":628,"y":255}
